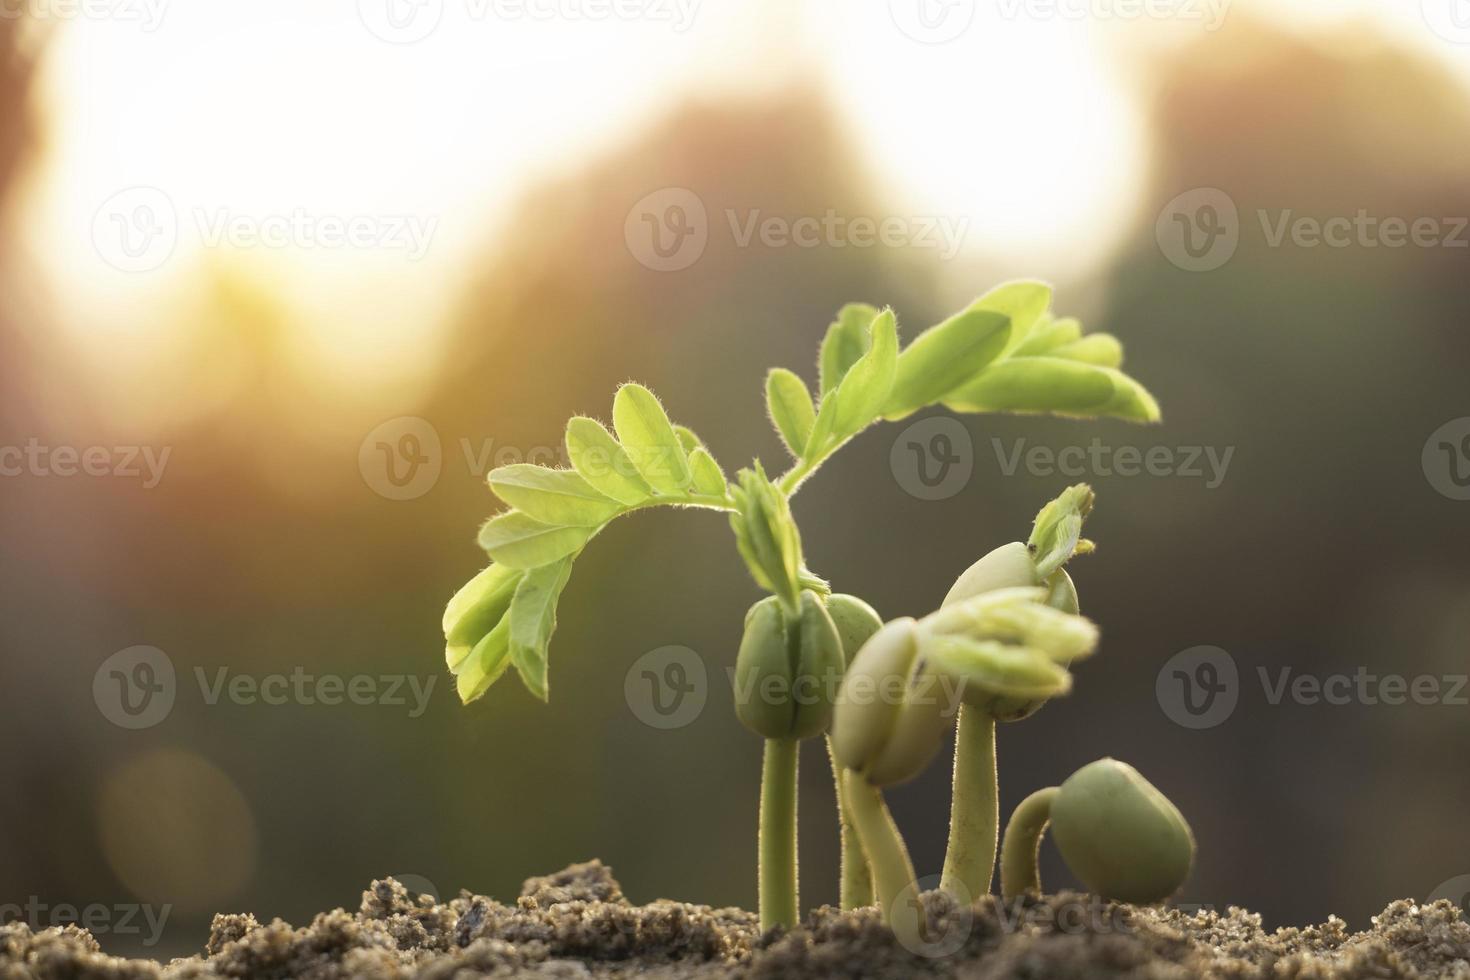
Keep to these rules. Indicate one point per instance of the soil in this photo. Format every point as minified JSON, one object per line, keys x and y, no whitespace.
{"x":577,"y":924}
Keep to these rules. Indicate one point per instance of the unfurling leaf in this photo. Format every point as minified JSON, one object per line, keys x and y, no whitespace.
{"x":1056,"y":534}
{"x":1048,"y":334}
{"x":766,"y":535}
{"x":709,"y":479}
{"x":485,"y":663}
{"x":519,"y":541}
{"x":845,"y":342}
{"x":533,"y":619}
{"x":1056,"y":386}
{"x":648,"y":437}
{"x":477,"y":607}
{"x":944,"y":357}
{"x":1101,"y":349}
{"x":790,"y":405}
{"x":552,"y":496}
{"x":864,"y":389}
{"x":598,"y":459}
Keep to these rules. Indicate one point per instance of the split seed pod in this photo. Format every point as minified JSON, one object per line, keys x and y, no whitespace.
{"x":1119,"y":835}
{"x":1007,"y":651}
{"x":856,"y":622}
{"x":788,"y":668}
{"x":891,"y":713}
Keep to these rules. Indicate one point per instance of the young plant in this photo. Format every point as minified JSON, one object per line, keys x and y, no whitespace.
{"x":974,"y":823}
{"x":1119,"y":835}
{"x":1003,"y":353}
{"x":900,"y":695}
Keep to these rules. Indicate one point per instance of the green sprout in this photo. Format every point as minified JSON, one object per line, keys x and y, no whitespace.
{"x":1005,"y":352}
{"x":1119,"y":835}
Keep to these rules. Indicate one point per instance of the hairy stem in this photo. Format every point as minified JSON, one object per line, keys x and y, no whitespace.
{"x":857,"y":877}
{"x":1020,"y":870}
{"x":974,"y":815}
{"x":777,"y":869}
{"x":894,"y":883}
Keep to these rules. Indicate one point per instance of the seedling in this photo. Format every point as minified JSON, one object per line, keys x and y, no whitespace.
{"x":1003,"y":353}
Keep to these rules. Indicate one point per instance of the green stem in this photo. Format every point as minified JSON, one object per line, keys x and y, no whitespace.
{"x":777,"y":869}
{"x":974,"y":815}
{"x":1020,"y":869}
{"x":894,"y":883}
{"x":857,"y":877}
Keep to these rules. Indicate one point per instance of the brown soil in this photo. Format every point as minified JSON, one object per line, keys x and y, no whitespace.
{"x":577,"y":924}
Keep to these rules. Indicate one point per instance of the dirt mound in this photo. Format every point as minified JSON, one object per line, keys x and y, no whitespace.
{"x":577,"y":924}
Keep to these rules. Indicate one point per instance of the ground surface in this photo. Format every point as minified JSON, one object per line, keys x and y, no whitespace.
{"x":577,"y":924}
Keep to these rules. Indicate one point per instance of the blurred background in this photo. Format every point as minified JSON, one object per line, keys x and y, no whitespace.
{"x":282,"y":282}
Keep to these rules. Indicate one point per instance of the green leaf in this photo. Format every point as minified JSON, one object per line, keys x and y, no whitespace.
{"x":790,"y":405}
{"x":1048,"y":334}
{"x":533,"y":620}
{"x":845,"y":342}
{"x":1101,"y":349}
{"x":552,"y":496}
{"x":484,"y":664}
{"x":688,"y":438}
{"x":709,"y":479}
{"x":862,"y":393}
{"x":598,"y":459}
{"x":479,"y":605}
{"x":766,"y":535}
{"x":1056,"y":386}
{"x":944,"y":357}
{"x":519,"y":541}
{"x":648,"y":437}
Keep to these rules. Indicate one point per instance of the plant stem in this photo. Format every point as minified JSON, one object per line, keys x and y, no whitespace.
{"x":974,"y":815}
{"x":857,"y":877}
{"x":894,"y":883}
{"x":777,"y":868}
{"x":1020,"y":870}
